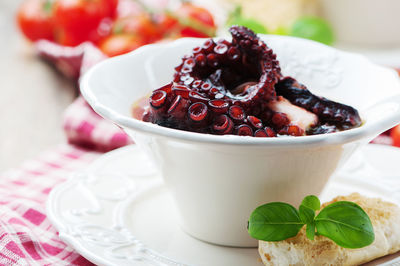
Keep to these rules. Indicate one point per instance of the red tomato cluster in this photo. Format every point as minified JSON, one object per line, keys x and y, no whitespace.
{"x":71,"y":22}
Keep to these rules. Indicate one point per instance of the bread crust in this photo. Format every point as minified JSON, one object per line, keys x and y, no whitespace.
{"x":299,"y":250}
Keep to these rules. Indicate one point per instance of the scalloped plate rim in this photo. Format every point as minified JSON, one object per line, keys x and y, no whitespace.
{"x":77,"y":244}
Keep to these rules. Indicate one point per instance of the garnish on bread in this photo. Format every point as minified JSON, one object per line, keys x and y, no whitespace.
{"x":300,"y":250}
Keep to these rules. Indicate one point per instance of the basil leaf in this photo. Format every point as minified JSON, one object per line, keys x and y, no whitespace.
{"x":274,"y":221}
{"x":306,"y":214}
{"x":310,"y":231}
{"x":308,"y":207}
{"x":346,"y":224}
{"x":312,"y":202}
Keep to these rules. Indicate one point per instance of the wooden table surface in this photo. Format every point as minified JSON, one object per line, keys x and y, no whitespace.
{"x":33,"y":96}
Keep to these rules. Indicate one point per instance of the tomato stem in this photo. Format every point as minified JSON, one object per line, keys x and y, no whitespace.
{"x":144,"y":6}
{"x":48,"y":6}
{"x":192,"y":23}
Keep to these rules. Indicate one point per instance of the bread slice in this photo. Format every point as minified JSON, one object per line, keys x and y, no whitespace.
{"x":299,"y":250}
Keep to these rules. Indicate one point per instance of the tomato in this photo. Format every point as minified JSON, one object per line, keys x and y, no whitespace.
{"x":142,"y":25}
{"x":78,"y":20}
{"x":120,"y":44}
{"x":131,"y":32}
{"x":111,"y":6}
{"x":35,"y":19}
{"x":202,"y":15}
{"x":168,"y":26}
{"x":196,"y":21}
{"x":395,"y":134}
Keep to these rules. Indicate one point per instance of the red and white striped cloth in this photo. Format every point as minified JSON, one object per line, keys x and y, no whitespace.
{"x":82,"y":125}
{"x":26,"y":235}
{"x":86,"y":128}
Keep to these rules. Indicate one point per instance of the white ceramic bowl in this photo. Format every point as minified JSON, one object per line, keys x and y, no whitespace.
{"x":217,"y":181}
{"x":369,"y":23}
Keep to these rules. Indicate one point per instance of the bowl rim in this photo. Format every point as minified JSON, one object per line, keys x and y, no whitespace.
{"x":364,"y":131}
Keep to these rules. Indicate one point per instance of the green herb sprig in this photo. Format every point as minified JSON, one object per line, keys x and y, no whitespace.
{"x":236,"y":18}
{"x":344,"y":222}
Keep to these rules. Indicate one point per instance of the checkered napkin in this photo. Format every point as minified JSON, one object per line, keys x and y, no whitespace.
{"x":70,"y":61}
{"x":85,"y":128}
{"x":26,"y":235}
{"x":82,"y":125}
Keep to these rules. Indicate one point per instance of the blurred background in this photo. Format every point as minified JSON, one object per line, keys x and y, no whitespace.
{"x":38,"y":79}
{"x":33,"y":95}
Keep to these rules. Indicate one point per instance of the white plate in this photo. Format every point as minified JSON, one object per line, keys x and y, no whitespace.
{"x":118,"y":211}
